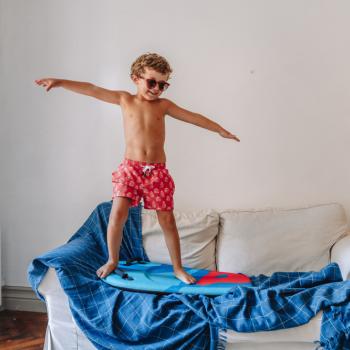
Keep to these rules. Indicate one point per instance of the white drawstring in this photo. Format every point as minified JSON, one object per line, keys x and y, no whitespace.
{"x":147,"y":168}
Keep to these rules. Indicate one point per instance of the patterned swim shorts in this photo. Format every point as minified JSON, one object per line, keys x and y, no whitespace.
{"x":151,"y":181}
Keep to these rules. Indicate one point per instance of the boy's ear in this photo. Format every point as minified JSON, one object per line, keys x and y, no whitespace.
{"x":134,"y":78}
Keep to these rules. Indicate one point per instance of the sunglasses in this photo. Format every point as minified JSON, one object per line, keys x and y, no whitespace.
{"x":151,"y":83}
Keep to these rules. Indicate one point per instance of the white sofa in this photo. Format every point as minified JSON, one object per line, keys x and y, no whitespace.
{"x":250,"y":241}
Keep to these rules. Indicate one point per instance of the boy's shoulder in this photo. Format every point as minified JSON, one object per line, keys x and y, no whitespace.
{"x":166,"y":101}
{"x":125,"y":96}
{"x":165,"y":104}
{"x":125,"y":93}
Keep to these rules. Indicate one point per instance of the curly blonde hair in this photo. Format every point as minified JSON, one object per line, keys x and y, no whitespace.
{"x":150,"y":60}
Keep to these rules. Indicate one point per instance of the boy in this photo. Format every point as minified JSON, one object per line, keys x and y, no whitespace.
{"x":143,"y":172}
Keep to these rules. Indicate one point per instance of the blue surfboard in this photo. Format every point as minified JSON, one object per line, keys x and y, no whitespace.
{"x":144,"y":276}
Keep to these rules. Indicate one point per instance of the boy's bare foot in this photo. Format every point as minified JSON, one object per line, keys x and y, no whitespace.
{"x":182,"y":275}
{"x":106,"y":269}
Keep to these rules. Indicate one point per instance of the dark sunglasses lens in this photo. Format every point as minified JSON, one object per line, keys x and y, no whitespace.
{"x":163,"y":86}
{"x":151,"y":83}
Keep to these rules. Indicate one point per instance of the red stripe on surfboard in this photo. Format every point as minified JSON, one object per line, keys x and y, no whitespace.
{"x":214,"y":277}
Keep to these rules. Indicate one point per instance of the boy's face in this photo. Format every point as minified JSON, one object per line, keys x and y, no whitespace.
{"x":147,"y":93}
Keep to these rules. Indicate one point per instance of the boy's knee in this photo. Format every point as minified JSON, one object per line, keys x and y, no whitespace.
{"x":166,"y":218}
{"x":120,"y":210}
{"x":121,"y":215}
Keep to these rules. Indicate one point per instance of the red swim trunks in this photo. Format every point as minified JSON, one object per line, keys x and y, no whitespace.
{"x":151,"y":181}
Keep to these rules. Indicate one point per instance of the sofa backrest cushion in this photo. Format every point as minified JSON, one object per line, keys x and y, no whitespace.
{"x":265,"y":241}
{"x":197,"y":231}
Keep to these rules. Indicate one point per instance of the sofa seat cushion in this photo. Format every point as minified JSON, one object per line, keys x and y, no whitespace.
{"x":62,"y":332}
{"x":265,"y":241}
{"x":197,"y":231}
{"x":308,"y":333}
{"x":271,"y":346}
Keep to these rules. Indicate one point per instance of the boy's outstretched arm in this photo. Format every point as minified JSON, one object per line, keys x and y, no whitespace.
{"x":84,"y":88}
{"x":197,"y":119}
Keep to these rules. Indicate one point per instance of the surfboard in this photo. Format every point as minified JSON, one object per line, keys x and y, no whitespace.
{"x":144,"y":276}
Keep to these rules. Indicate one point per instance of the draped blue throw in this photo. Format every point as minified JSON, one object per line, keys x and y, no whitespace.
{"x":112,"y":318}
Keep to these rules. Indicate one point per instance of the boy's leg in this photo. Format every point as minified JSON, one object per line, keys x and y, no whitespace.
{"x":167,"y":222}
{"x":117,"y":218}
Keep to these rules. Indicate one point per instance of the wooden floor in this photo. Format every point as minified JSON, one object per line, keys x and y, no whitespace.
{"x":21,"y":330}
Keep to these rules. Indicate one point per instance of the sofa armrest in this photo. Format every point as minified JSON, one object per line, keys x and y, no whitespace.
{"x":340,"y":253}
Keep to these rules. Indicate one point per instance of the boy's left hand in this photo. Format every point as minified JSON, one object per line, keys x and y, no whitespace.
{"x":227,"y":134}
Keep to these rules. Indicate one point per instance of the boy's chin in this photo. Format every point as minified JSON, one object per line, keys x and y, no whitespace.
{"x":150,"y":97}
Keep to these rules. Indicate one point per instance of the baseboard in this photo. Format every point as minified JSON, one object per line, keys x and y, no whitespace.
{"x":21,"y":299}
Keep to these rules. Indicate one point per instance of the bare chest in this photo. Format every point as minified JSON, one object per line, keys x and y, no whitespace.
{"x":144,"y":115}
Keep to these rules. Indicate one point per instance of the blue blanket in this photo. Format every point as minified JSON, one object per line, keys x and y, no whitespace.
{"x":116,"y":319}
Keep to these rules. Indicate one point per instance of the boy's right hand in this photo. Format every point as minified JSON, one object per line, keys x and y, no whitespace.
{"x":106,"y":269}
{"x":48,"y":82}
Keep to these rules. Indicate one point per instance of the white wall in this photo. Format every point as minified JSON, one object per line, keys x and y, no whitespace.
{"x":275,"y":73}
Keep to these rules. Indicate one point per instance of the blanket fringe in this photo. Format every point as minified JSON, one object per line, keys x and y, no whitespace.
{"x":222,"y":339}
